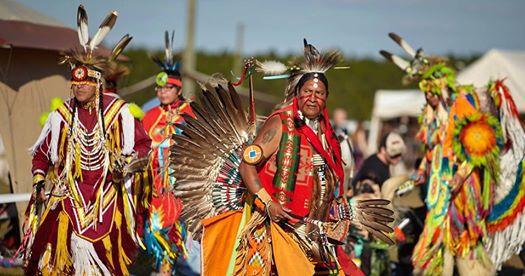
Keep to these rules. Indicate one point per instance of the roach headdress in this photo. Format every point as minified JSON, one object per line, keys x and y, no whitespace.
{"x":314,"y":62}
{"x":170,"y":69}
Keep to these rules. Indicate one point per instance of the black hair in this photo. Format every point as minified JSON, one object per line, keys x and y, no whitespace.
{"x":310,"y":76}
{"x":382,"y":144}
{"x":74,"y":106}
{"x":101,"y":109}
{"x":369,"y":175}
{"x":173,"y":74}
{"x":111,"y":84}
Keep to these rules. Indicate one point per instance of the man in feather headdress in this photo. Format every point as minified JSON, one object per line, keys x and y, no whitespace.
{"x":294,"y":212}
{"x":301,"y":175}
{"x":164,"y":234}
{"x":460,"y":168}
{"x":85,"y":225}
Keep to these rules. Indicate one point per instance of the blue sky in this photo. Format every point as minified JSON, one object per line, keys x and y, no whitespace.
{"x":357,"y":27}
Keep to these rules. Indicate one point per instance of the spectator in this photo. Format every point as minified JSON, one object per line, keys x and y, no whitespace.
{"x":340,"y":122}
{"x":391,"y":149}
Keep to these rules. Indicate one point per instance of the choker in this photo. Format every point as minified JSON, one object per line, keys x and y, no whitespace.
{"x":312,"y":123}
{"x":89,"y":106}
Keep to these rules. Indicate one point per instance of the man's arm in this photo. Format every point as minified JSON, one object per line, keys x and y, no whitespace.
{"x":142,"y":140}
{"x":268,"y":139}
{"x":40,"y":164}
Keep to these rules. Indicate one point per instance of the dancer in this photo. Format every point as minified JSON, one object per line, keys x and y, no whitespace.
{"x":462,"y":169}
{"x":87,"y":154}
{"x":164,"y":233}
{"x":288,"y":211}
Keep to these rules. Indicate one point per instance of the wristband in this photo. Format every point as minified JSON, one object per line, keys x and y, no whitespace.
{"x":263,"y":195}
{"x":37,"y":178}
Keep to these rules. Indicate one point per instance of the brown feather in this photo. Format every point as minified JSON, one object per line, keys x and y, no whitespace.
{"x":379,"y":235}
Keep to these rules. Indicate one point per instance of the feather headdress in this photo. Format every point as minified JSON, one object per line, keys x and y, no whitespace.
{"x":170,"y":69}
{"x":431,"y":72}
{"x":114,"y":70}
{"x":86,"y":56}
{"x":314,"y":62}
{"x":167,"y":63}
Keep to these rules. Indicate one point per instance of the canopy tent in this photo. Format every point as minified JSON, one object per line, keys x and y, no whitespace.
{"x":390,"y":104}
{"x":499,"y":64}
{"x":3,"y":164}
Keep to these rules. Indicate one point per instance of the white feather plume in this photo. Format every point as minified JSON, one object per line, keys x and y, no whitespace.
{"x":271,"y":67}
{"x":400,"y":62}
{"x":103,"y":30}
{"x":82,"y":26}
{"x":403,"y":44}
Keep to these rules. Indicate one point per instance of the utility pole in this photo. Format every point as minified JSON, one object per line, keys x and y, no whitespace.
{"x":237,"y":57}
{"x":188,"y":58}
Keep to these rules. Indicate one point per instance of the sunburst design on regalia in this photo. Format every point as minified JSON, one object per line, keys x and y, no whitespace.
{"x":478,"y":139}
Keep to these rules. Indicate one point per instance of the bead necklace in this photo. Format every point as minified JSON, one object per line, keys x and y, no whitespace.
{"x":92,"y":146}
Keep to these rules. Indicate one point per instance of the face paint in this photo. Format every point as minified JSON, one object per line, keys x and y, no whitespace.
{"x":312,"y":98}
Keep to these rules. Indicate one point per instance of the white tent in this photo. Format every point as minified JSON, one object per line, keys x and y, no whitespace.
{"x":390,"y":104}
{"x":498,"y":64}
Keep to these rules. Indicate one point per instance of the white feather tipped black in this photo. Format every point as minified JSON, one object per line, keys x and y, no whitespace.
{"x":403,"y":44}
{"x":270,"y":67}
{"x":401,"y":63}
{"x":119,"y":48}
{"x":311,"y":54}
{"x":167,"y":63}
{"x":168,"y":47}
{"x":398,"y":61}
{"x":82,"y":27}
{"x":103,"y":30}
{"x":171,"y":45}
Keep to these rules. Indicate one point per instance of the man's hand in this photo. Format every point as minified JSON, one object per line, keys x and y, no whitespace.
{"x":419,"y":178}
{"x":40,"y":192}
{"x":117,"y":176}
{"x":277,"y":212}
{"x":457,"y":182}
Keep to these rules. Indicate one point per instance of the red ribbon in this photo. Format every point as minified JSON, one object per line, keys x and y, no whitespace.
{"x":507,"y":96}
